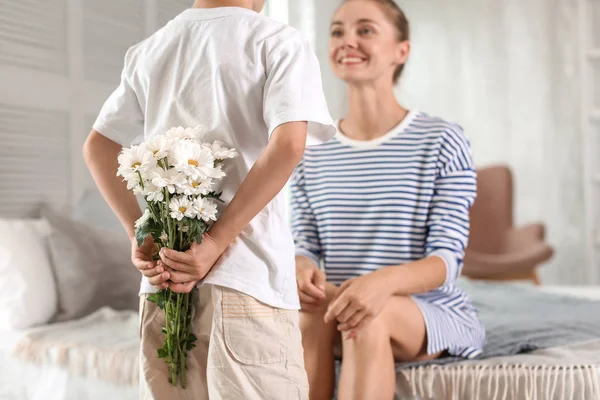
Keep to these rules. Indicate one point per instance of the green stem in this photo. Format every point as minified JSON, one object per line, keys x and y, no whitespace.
{"x":175,"y":359}
{"x":186,"y":327}
{"x":181,"y":247}
{"x":172,"y":350}
{"x":167,"y":328}
{"x":141,"y":180}
{"x":169,"y":224}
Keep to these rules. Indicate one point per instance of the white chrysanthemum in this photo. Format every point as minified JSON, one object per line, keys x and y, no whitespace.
{"x":164,"y":237}
{"x":184,"y":133}
{"x":170,"y":179}
{"x":134,"y":183}
{"x":160,"y":146}
{"x":205,"y":209}
{"x":157,"y":195}
{"x":133,"y":160}
{"x":138,"y":191}
{"x":219,"y":152}
{"x":194,"y":187}
{"x":194,"y":161}
{"x":182,"y":207}
{"x":143,"y":220}
{"x":217,"y":172}
{"x":152,"y":192}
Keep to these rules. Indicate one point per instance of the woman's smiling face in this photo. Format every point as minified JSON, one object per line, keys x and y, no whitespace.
{"x":364,"y":43}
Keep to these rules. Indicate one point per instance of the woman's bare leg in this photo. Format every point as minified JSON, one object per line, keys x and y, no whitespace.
{"x":318,"y":340}
{"x":368,"y":363}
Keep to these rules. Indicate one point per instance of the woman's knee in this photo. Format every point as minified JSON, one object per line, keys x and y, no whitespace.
{"x":312,"y":324}
{"x":374,"y":331}
{"x":391,"y":319}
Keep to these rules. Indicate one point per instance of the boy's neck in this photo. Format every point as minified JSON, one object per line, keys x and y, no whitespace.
{"x":223,"y":3}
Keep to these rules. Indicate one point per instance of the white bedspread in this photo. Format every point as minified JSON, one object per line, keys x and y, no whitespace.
{"x":94,"y":358}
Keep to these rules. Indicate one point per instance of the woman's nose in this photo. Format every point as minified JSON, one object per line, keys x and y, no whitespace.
{"x":349,"y":41}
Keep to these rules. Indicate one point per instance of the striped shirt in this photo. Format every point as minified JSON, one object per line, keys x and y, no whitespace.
{"x":363,"y":205}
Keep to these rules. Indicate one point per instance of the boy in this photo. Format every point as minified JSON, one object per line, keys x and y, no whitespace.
{"x":254,"y":84}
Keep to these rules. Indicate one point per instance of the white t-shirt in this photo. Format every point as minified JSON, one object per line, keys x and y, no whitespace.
{"x":239,"y":75}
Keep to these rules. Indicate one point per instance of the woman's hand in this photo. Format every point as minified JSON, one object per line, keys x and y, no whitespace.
{"x":188,"y":267}
{"x":311,"y":284}
{"x":358,"y":301}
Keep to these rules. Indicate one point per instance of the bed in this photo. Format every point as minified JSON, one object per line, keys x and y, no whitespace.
{"x":569,"y":371}
{"x":95,"y":357}
{"x":75,"y":371}
{"x":85,"y":347}
{"x":66,"y":332}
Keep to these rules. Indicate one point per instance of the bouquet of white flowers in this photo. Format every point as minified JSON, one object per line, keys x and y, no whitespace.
{"x":176,"y":174}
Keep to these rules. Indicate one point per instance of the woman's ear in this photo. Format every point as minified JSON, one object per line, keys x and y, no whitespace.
{"x":402,"y":52}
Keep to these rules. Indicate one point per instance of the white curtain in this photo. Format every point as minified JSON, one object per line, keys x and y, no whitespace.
{"x":508,"y":72}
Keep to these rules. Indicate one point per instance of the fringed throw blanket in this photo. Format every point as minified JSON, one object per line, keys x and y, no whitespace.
{"x":518,"y":320}
{"x":103,"y":345}
{"x":558,"y":373}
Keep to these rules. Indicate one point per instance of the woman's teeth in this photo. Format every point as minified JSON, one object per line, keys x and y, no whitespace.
{"x":351,"y":60}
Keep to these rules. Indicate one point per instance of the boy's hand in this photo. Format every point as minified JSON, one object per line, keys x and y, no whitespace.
{"x":141,"y":257}
{"x":191,"y":265}
{"x":182,"y":287}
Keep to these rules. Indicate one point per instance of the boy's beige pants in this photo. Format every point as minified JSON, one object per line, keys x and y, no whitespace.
{"x":246,"y":350}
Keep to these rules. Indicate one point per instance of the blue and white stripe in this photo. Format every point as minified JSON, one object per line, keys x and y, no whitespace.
{"x":360,"y":206}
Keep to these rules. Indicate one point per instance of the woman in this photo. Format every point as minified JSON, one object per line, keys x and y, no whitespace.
{"x":385,"y":207}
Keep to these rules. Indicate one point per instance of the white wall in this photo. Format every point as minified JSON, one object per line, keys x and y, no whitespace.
{"x":313,"y":18}
{"x":67,"y":67}
{"x":507,"y":70}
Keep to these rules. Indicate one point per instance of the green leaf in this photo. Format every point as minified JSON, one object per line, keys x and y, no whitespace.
{"x":189,"y":346}
{"x":158,"y":298}
{"x":190,"y":341}
{"x":153,"y":297}
{"x":163,"y":353}
{"x":143,"y":231}
{"x":150,"y":227}
{"x":213,"y":195}
{"x":197,"y":229}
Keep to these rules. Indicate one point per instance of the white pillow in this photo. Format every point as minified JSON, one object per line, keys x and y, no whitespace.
{"x":27,"y":286}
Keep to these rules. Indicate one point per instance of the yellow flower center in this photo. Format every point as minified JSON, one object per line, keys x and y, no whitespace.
{"x":136,"y":164}
{"x":154,"y":152}
{"x":202,"y":210}
{"x":195,"y":184}
{"x":182,"y":209}
{"x":193,"y":162}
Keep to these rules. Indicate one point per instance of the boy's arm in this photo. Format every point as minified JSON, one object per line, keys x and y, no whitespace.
{"x":265,"y":180}
{"x":100,"y":154}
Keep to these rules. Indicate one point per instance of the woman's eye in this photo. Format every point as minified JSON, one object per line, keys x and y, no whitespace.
{"x":365,"y":31}
{"x":336,"y":33}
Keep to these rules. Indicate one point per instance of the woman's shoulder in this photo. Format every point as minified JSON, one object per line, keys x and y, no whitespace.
{"x":442,"y":128}
{"x":423,"y":120}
